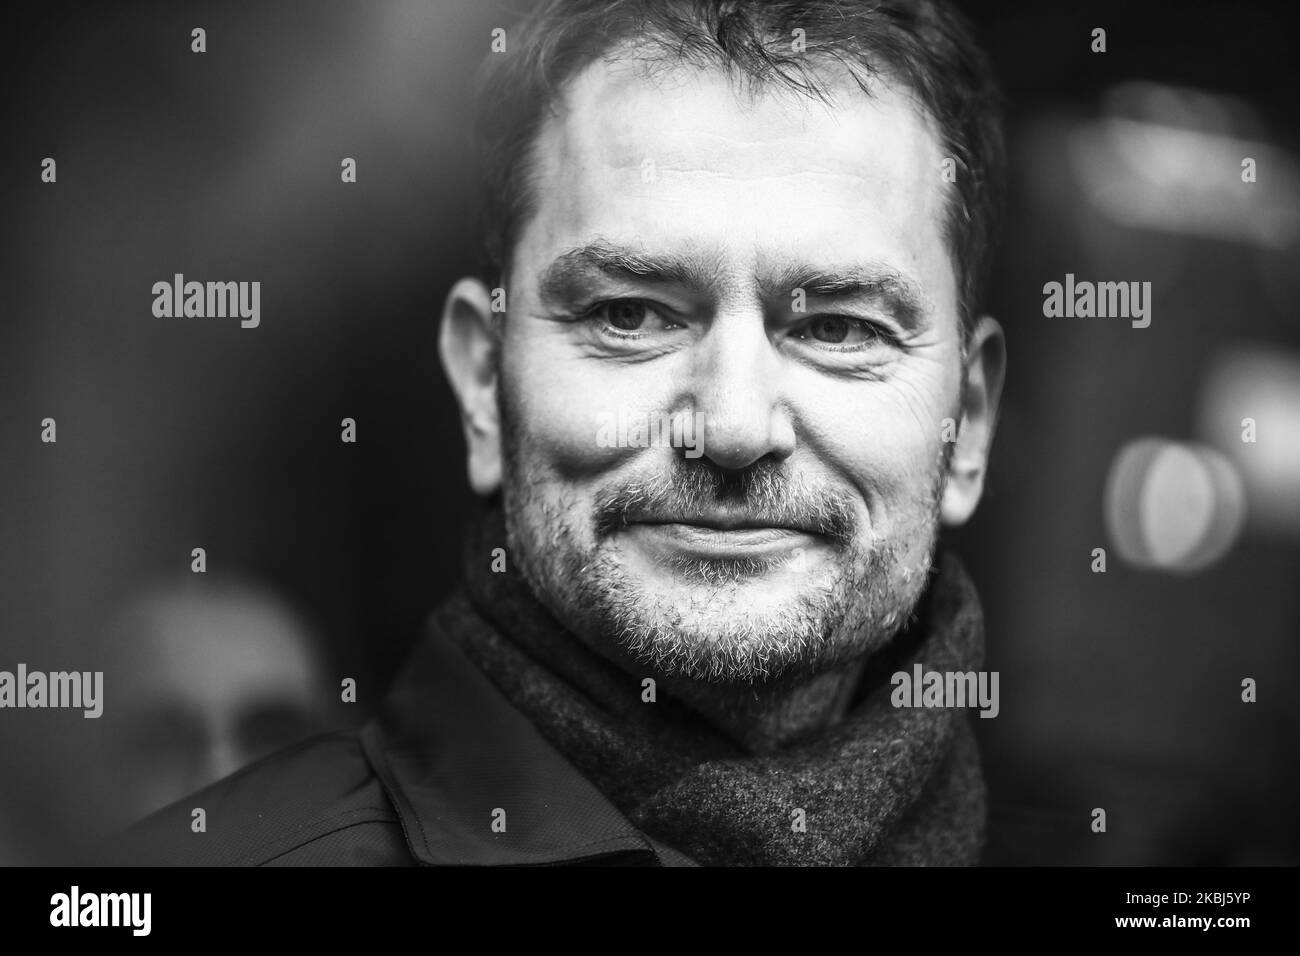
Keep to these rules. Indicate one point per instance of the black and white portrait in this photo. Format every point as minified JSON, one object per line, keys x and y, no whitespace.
{"x":637,"y":433}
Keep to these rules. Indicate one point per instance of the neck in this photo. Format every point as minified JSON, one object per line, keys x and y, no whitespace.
{"x":763,"y":718}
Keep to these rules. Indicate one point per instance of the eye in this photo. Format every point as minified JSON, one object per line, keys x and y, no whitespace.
{"x":841,"y":330}
{"x":626,"y":317}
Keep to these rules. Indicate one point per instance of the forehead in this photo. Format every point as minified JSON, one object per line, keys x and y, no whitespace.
{"x":684,"y":158}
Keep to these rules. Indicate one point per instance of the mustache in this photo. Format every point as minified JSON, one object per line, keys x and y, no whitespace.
{"x":699,"y":492}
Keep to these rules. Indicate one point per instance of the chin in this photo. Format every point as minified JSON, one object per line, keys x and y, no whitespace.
{"x":747,"y":634}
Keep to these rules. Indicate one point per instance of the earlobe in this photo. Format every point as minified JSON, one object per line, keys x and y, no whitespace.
{"x":467,"y":346}
{"x":985,"y":371}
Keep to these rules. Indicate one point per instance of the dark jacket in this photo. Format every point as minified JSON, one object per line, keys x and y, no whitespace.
{"x":430,"y":780}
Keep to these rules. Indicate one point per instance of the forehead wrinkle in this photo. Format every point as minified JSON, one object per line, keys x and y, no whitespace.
{"x":570,"y":146}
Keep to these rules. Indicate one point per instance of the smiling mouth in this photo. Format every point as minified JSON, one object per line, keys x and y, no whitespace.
{"x":725,"y":522}
{"x":718,"y":539}
{"x":740,"y":532}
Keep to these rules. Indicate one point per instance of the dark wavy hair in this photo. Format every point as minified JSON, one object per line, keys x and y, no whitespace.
{"x":925,"y":46}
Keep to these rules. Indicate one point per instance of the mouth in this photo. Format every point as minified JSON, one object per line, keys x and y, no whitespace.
{"x":725,"y":521}
{"x":719,"y":538}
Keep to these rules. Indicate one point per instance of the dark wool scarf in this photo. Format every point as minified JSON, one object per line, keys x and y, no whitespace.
{"x":886,"y":786}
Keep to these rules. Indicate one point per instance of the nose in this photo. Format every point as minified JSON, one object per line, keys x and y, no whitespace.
{"x":736,"y":383}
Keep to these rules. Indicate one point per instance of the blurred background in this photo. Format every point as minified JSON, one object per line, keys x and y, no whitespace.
{"x":1120,"y":689}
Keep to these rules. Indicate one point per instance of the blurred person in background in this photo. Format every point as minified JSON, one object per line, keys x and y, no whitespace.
{"x":208,"y":675}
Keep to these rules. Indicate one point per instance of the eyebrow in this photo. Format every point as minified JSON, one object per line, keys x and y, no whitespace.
{"x":567,"y":276}
{"x":874,"y":281}
{"x":564,"y":277}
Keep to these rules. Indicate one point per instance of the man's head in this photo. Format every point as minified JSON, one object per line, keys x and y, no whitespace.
{"x":765,"y":224}
{"x":208,"y":674}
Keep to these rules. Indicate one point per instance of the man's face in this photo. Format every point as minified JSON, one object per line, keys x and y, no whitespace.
{"x":772,"y":269}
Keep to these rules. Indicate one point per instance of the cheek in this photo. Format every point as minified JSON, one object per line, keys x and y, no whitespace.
{"x":565,"y":414}
{"x":884,"y":437}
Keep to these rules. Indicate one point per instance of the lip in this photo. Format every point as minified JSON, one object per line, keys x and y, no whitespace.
{"x":737,"y":539}
{"x":722,"y":522}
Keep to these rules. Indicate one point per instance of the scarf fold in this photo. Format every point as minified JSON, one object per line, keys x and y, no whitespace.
{"x":885,"y":786}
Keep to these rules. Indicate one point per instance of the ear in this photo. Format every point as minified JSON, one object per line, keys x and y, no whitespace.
{"x":467,"y":345}
{"x":986,"y":364}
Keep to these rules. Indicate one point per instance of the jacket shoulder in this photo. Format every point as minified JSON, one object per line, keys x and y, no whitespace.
{"x":315,"y":803}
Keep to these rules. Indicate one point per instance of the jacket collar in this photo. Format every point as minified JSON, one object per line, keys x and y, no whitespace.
{"x":451,"y":752}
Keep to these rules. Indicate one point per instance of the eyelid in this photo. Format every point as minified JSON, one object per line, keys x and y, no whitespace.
{"x":881,"y":329}
{"x":588,"y":312}
{"x":594,"y":304}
